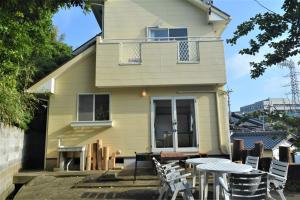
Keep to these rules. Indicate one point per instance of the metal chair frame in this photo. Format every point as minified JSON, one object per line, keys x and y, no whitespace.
{"x":245,"y":186}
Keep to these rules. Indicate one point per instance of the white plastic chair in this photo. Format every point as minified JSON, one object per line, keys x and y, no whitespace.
{"x":277,"y":177}
{"x":172,"y":181}
{"x":252,"y":161}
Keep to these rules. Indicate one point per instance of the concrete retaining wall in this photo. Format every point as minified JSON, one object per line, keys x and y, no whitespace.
{"x":11,"y":148}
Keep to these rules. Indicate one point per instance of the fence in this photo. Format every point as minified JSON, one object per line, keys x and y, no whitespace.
{"x":11,"y":150}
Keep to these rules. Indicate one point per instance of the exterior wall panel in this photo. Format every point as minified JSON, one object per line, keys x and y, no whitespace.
{"x":128,"y":19}
{"x":160,"y":66}
{"x":130,"y":113}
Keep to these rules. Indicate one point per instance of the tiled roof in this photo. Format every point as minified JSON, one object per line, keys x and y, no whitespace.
{"x":269,"y":139}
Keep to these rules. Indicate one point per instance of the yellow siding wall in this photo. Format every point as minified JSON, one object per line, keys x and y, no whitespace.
{"x":160,"y":66}
{"x":125,"y":19}
{"x":130,"y":113}
{"x":129,"y":19}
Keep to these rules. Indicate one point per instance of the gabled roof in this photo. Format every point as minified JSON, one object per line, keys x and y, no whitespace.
{"x":203,"y":4}
{"x":47,"y":84}
{"x":85,"y":45}
{"x":215,"y":16}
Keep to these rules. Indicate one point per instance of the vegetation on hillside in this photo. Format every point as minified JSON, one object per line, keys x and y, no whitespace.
{"x":29,"y":49}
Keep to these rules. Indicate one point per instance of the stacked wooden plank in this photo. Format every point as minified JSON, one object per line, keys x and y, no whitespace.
{"x":98,"y":157}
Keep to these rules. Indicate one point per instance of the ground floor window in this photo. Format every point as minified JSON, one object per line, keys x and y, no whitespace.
{"x":93,"y":107}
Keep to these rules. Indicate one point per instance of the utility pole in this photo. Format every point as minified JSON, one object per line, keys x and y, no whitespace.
{"x":228,"y":92}
{"x":293,"y":81}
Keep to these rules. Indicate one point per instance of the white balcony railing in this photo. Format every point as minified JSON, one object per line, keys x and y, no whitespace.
{"x":187,"y":48}
{"x":130,"y":53}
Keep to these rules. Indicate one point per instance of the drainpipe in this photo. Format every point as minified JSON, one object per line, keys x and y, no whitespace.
{"x":218,"y":115}
{"x":220,"y":138}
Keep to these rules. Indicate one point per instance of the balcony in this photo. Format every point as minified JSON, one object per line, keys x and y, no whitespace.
{"x":187,"y":52}
{"x":167,"y":61}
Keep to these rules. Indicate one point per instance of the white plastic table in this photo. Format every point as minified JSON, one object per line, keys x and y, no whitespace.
{"x":197,"y":161}
{"x":219,"y":169}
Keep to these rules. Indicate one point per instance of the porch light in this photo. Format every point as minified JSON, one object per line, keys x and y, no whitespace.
{"x":144,"y":93}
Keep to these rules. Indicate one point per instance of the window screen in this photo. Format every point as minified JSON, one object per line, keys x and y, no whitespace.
{"x":101,"y":107}
{"x":85,"y":110}
{"x":178,"y":33}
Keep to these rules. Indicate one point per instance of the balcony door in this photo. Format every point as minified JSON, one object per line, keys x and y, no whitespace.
{"x":173,"y":124}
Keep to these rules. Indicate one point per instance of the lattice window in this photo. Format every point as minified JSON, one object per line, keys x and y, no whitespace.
{"x":130,"y":53}
{"x":188,"y":51}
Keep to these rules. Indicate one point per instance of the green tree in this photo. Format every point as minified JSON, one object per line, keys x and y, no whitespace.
{"x":280,"y":121}
{"x":281,"y":33}
{"x":29,"y":49}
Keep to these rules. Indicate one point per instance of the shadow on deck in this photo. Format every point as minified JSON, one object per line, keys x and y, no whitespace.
{"x":98,"y":185}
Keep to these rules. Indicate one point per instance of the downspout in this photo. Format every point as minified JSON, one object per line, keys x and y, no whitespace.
{"x":46,"y":136}
{"x":220,"y":138}
{"x":218,"y":115}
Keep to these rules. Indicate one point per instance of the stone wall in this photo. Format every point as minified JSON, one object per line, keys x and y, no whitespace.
{"x":11,"y":150}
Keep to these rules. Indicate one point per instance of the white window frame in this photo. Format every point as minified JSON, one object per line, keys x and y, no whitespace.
{"x":168,"y":28}
{"x":94,"y":94}
{"x":174,"y":112}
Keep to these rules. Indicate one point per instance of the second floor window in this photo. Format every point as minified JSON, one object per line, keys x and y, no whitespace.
{"x":93,"y":107}
{"x":164,"y":34}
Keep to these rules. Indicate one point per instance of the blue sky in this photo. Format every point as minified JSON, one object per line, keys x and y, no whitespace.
{"x":79,"y":27}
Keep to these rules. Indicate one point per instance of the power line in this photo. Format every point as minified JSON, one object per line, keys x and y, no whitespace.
{"x":262,"y":5}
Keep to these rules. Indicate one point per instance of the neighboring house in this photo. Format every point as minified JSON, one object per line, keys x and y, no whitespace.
{"x":239,"y":122}
{"x":285,"y":143}
{"x":152,"y":81}
{"x":271,"y":140}
{"x":270,"y":104}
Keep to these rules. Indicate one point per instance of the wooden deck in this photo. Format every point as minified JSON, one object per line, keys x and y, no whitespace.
{"x":95,"y":185}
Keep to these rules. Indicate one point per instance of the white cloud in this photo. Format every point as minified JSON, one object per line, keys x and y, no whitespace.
{"x":238,"y":65}
{"x":275,"y":86}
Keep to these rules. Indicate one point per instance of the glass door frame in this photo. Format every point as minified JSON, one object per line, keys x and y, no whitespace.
{"x":174,"y":125}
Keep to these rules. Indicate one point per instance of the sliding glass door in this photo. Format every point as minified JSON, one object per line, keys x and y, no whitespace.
{"x":186,"y":124}
{"x":173,"y":124}
{"x":163,"y":123}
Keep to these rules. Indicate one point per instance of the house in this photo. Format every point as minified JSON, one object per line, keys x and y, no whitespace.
{"x":152,"y":81}
{"x":240,"y":122}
